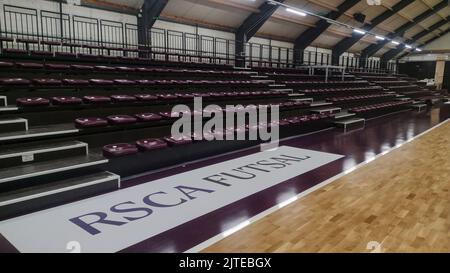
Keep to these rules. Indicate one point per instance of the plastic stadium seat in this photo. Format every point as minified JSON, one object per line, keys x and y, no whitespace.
{"x":32,"y":102}
{"x":146,"y":97}
{"x":58,"y":66}
{"x":146,"y":117}
{"x":146,"y":82}
{"x":6,"y":65}
{"x":101,"y":82}
{"x":87,"y":56}
{"x":118,"y":150}
{"x":75,"y":82}
{"x":82,"y":123}
{"x":123,"y":98}
{"x":169,"y":115}
{"x":25,"y":40}
{"x":66,"y":101}
{"x":30,"y":65}
{"x":65,"y":54}
{"x":15,"y":81}
{"x":124,"y":82}
{"x":167,"y":96}
{"x":151,"y":144}
{"x":172,"y":141}
{"x":96,"y":99}
{"x":47,"y":82}
{"x":121,"y":119}
{"x":125,"y":69}
{"x":42,"y":53}
{"x":103,"y":68}
{"x":82,"y":67}
{"x":14,"y":51}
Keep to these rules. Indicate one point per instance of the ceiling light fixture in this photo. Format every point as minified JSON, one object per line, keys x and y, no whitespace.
{"x":359,"y":31}
{"x":395,"y":42}
{"x":296,"y":12}
{"x":379,"y":38}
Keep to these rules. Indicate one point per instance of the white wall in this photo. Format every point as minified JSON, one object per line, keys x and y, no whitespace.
{"x":52,"y":27}
{"x":442,"y":43}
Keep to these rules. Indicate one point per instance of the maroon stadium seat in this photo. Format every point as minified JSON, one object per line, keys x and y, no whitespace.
{"x":178,"y":141}
{"x":121,"y":149}
{"x":96,"y":99}
{"x":121,"y":119}
{"x":32,"y":102}
{"x":145,"y":117}
{"x":90,"y":122}
{"x":123,"y":98}
{"x":151,"y":144}
{"x":15,"y":81}
{"x":66,"y":101}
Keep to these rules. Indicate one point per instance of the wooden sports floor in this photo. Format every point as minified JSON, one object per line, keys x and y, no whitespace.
{"x":398,"y":203}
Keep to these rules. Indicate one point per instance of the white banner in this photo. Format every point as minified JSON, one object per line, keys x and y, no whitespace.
{"x":117,"y":220}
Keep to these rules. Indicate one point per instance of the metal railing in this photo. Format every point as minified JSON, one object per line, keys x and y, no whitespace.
{"x":28,"y":23}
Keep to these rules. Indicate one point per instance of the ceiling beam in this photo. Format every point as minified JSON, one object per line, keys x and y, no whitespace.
{"x":347,"y":43}
{"x":311,"y":34}
{"x":394,"y":52}
{"x":399,"y":32}
{"x":150,"y":13}
{"x":249,"y":27}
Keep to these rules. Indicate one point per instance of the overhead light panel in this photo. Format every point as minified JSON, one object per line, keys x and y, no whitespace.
{"x":395,"y":42}
{"x":359,"y":31}
{"x":380,"y":38}
{"x":408,"y":46}
{"x":295,"y":12}
{"x":418,"y":49}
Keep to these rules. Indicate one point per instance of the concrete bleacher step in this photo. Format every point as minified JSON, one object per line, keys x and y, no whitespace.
{"x":403,"y":99}
{"x":343,"y":116}
{"x":330,"y":110}
{"x":39,"y":197}
{"x":13,"y":125}
{"x":419,"y":107}
{"x":351,"y":123}
{"x":5,"y":109}
{"x":40,"y":169}
{"x":282,"y":89}
{"x":302,"y":99}
{"x":241,"y":68}
{"x":3,"y":101}
{"x":277,"y":85}
{"x":27,"y":153}
{"x":38,"y":132}
{"x":321,"y":103}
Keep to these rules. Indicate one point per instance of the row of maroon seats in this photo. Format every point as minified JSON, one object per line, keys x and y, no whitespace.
{"x":321,"y":83}
{"x":120,"y":82}
{"x":356,"y":98}
{"x":91,"y":122}
{"x":120,"y":69}
{"x":391,"y":83}
{"x":71,"y":100}
{"x":152,"y":144}
{"x":102,"y":56}
{"x":337,"y":90}
{"x":377,"y":107}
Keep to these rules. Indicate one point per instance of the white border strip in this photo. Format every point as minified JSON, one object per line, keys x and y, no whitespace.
{"x":78,"y":144}
{"x":13,"y":120}
{"x":72,"y":167}
{"x":22,"y":136}
{"x":64,"y":189}
{"x":273,"y":209}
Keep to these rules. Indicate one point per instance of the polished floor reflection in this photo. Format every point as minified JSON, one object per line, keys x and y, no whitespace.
{"x":398,"y":203}
{"x":380,"y":135}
